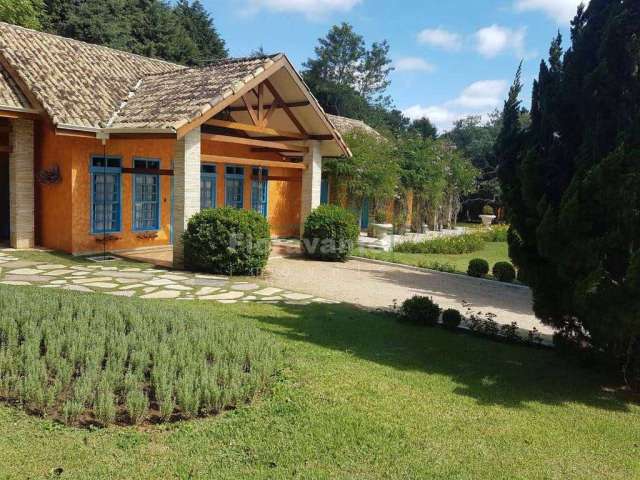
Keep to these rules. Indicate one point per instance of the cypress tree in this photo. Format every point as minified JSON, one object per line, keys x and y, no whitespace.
{"x":572,"y":184}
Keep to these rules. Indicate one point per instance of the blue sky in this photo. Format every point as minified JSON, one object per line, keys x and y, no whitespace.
{"x":452,"y":57}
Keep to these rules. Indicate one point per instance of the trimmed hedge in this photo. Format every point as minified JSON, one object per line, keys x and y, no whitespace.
{"x":504,"y":272}
{"x":420,"y":311}
{"x":330,"y":233}
{"x":478,"y":267}
{"x":455,"y":245}
{"x":228,"y":241}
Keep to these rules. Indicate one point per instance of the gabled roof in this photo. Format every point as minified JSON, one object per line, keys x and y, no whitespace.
{"x":82,"y":86}
{"x":76,"y":83}
{"x":169,"y":100}
{"x":347,"y":125}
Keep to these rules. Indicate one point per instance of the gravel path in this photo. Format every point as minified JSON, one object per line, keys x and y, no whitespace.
{"x":374,"y":285}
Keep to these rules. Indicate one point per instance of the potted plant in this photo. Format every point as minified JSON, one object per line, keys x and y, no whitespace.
{"x":381,"y":229}
{"x":488,"y":215}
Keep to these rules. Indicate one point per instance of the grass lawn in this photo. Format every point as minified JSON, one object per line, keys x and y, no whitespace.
{"x":492,"y":252}
{"x":362,"y":396}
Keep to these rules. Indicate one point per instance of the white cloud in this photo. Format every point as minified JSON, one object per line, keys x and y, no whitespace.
{"x":479,"y":98}
{"x":310,"y":8}
{"x":440,"y":116}
{"x":482,"y":94}
{"x":440,"y":38}
{"x":494,"y":40}
{"x":413,"y":64}
{"x":562,"y":11}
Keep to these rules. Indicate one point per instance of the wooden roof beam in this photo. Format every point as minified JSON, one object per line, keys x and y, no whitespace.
{"x":252,"y":162}
{"x":286,"y":109}
{"x":214,"y":122}
{"x":274,"y":105}
{"x":254,"y":142}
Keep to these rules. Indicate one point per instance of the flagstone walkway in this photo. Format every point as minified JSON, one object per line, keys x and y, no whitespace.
{"x":147,"y":283}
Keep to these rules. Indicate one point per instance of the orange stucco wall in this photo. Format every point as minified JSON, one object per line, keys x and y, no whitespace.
{"x":63,"y":210}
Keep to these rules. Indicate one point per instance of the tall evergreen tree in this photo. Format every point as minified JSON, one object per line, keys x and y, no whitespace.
{"x":424,"y":128}
{"x":26,"y":13}
{"x":198,"y":25}
{"x":572,"y":186}
{"x":350,"y":80}
{"x":183,"y":34}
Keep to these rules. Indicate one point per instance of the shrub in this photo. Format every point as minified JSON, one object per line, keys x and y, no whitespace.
{"x":454,"y":245}
{"x":380,"y":216}
{"x":495,"y":233}
{"x":420,"y":311}
{"x":478,"y":267}
{"x":451,"y":318}
{"x":109,"y":361}
{"x":488,"y":210}
{"x":227,"y":240}
{"x":330,"y":232}
{"x":438,"y":266}
{"x":504,"y":272}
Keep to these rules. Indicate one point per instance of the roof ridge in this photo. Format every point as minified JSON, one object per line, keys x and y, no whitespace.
{"x":94,"y":45}
{"x":219,"y":61}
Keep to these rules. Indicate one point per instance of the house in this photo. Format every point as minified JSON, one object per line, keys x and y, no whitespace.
{"x":106,"y":150}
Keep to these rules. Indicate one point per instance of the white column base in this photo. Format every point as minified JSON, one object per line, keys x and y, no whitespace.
{"x":311,"y":182}
{"x":186,"y":190}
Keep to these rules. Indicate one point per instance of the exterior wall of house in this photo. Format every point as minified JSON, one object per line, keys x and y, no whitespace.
{"x":63,"y":210}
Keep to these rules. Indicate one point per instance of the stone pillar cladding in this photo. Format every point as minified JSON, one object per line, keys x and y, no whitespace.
{"x":22,"y":184}
{"x":186,"y":192}
{"x":311,"y":181}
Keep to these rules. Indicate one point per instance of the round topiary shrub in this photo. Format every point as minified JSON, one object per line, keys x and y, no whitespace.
{"x":420,"y":311}
{"x":228,"y":241}
{"x":330,"y":232}
{"x":451,"y":318}
{"x":488,"y":210}
{"x":478,"y":267}
{"x":504,"y":272}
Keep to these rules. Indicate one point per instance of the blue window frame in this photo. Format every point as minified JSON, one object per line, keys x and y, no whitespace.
{"x":324,"y":191}
{"x":106,"y":194}
{"x":234,"y":186}
{"x":260,"y":190}
{"x":146,"y":196}
{"x":208,"y":186}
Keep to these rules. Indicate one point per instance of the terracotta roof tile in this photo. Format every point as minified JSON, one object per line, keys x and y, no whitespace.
{"x":77,"y":83}
{"x":346,"y":125}
{"x":10,"y":94}
{"x":169,"y":99}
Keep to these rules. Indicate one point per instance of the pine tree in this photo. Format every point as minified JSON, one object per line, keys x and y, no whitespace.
{"x":572,"y":186}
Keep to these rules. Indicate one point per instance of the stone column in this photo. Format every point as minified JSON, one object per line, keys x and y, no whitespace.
{"x":311,"y":181}
{"x":21,"y":184}
{"x":186,"y":191}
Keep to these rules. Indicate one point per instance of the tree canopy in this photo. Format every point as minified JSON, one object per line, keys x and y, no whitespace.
{"x":571,"y":184}
{"x":182,"y":33}
{"x":350,"y":79}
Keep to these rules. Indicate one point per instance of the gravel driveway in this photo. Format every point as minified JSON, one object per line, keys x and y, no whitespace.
{"x":374,"y":285}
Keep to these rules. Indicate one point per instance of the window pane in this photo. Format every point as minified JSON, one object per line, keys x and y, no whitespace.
{"x":146,"y":210}
{"x":106,"y":202}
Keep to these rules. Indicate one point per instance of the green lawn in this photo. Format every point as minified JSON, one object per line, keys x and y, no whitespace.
{"x":362,"y":396}
{"x":492,"y":252}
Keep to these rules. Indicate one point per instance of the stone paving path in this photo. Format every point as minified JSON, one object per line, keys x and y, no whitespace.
{"x":147,"y":283}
